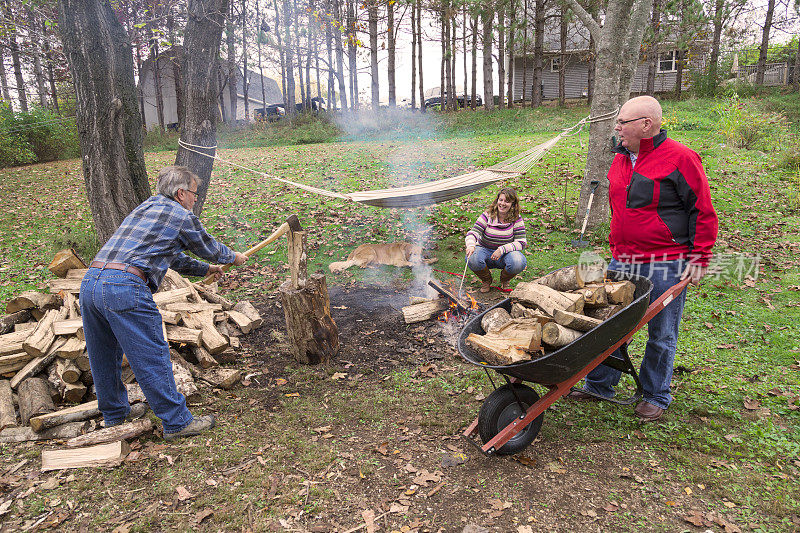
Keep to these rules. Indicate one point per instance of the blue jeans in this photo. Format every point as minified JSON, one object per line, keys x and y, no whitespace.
{"x":659,"y":354}
{"x":120,"y":316}
{"x":512,"y":262}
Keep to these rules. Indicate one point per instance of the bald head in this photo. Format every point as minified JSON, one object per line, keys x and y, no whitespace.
{"x":639,"y":118}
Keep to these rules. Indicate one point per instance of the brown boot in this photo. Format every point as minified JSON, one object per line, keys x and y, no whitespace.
{"x":505,"y":277}
{"x":485,"y":276}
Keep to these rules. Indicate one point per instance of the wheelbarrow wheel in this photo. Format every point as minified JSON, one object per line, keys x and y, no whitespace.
{"x":500,"y":409}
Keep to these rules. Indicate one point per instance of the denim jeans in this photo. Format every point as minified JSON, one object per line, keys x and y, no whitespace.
{"x":120,"y":316}
{"x":659,"y":354}
{"x":512,"y":262}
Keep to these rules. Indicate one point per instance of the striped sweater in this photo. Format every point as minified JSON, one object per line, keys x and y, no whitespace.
{"x":493,"y":234}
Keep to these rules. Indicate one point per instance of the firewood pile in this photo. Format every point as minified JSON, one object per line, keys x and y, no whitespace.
{"x":549,"y":313}
{"x":44,"y":364}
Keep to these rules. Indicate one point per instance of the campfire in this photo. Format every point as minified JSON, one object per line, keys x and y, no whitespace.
{"x":447,"y":307}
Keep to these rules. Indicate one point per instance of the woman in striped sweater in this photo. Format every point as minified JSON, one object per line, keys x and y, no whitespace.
{"x":497,"y":240}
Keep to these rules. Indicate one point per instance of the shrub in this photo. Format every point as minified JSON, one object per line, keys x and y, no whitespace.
{"x":745,"y":125}
{"x":35,"y":136}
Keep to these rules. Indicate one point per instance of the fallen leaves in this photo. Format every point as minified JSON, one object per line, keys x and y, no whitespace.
{"x":183,"y":493}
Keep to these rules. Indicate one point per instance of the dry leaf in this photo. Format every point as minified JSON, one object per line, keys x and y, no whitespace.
{"x":339,"y":375}
{"x":280,"y":381}
{"x":695,"y":517}
{"x":183,"y":494}
{"x":397,"y":508}
{"x":202,"y":515}
{"x":751,"y":404}
{"x":369,"y":519}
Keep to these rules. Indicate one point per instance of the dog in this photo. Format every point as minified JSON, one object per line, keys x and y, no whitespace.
{"x":397,"y":254}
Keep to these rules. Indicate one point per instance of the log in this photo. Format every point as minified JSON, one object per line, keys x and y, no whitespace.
{"x":192,"y":307}
{"x":74,"y":392}
{"x":67,"y":327}
{"x":26,"y":434}
{"x":212,"y":296}
{"x":135,"y":393}
{"x":590,"y":272}
{"x":33,"y":300}
{"x":67,"y":371}
{"x":620,"y":292}
{"x":556,"y":335}
{"x":560,"y":280}
{"x":204,"y":359}
{"x":547,"y":299}
{"x":77,"y":273}
{"x":170,"y":317}
{"x":25,"y":326}
{"x":523,"y":332}
{"x":242,"y":321}
{"x":167,"y":297}
{"x":298,"y":259}
{"x":448,"y":293}
{"x":249,"y":310}
{"x":57,"y":285}
{"x":495,"y":319}
{"x":111,"y":454}
{"x":604,"y":313}
{"x":83,"y":362}
{"x":72,"y":305}
{"x":8,"y":322}
{"x":575,"y":321}
{"x":37,"y":364}
{"x":497,"y":352}
{"x":419,"y":300}
{"x":8,"y":415}
{"x":72,"y":348}
{"x":185,"y":383}
{"x":127,"y":430}
{"x":593,"y":296}
{"x":424,"y":311}
{"x":14,"y":362}
{"x":42,"y":337}
{"x":223,"y":378}
{"x":65,"y":260}
{"x":313,"y":335}
{"x":75,"y":413}
{"x":34,"y":400}
{"x":178,"y":358}
{"x":227,"y":357}
{"x":181,"y":335}
{"x":210,"y":338}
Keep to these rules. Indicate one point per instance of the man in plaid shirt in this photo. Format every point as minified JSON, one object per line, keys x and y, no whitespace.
{"x":117,"y":307}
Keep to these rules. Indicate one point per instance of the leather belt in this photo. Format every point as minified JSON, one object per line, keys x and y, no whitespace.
{"x":119,"y":266}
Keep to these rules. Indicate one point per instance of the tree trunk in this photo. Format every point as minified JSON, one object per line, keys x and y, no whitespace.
{"x":679,"y":73}
{"x":413,"y":56}
{"x":391,"y":40}
{"x":538,"y":52}
{"x":713,"y":62}
{"x":4,"y":80}
{"x":201,"y":44}
{"x":11,"y":36}
{"x":761,"y":66}
{"x":419,"y":56}
{"x":351,"y":55}
{"x":36,"y":53}
{"x":289,"y":96}
{"x":464,"y":47}
{"x":525,"y":54}
{"x":562,"y":90}
{"x":329,"y":46}
{"x":501,"y":54}
{"x":655,"y":24}
{"x":487,"y":18}
{"x":797,"y":68}
{"x":313,"y":333}
{"x":245,"y":74}
{"x":177,"y":80}
{"x":453,"y":48}
{"x":109,"y":123}
{"x":443,"y":92}
{"x":511,"y":54}
{"x":233,"y":69}
{"x":157,"y":85}
{"x":372,"y":14}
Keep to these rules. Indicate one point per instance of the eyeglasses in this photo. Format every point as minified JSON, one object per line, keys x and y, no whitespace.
{"x":195,"y":194}
{"x":621,"y":122}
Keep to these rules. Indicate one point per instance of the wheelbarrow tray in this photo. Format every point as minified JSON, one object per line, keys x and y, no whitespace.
{"x":564,"y":363}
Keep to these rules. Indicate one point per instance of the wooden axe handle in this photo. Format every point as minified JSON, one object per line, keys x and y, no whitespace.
{"x":283,"y":228}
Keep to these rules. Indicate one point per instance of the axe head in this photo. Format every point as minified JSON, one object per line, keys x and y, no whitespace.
{"x":294,"y":223}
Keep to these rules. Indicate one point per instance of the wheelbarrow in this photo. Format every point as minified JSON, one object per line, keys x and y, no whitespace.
{"x":511,"y":416}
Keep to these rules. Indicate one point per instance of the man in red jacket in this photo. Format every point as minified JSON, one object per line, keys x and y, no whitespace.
{"x":663,"y":227}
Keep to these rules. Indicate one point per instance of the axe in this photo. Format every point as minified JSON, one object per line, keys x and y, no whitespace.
{"x":292,"y":223}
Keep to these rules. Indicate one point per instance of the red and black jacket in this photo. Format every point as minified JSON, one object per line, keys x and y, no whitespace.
{"x":661,"y":210}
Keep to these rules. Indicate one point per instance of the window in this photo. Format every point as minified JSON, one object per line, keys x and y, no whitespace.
{"x":555,"y":64}
{"x":666,"y":61}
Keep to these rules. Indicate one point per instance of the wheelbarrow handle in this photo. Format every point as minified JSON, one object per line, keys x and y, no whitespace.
{"x":662,"y":301}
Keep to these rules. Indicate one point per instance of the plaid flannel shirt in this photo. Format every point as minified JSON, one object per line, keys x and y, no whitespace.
{"x":155,"y":234}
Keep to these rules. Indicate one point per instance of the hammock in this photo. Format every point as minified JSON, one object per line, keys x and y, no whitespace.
{"x":432,"y":192}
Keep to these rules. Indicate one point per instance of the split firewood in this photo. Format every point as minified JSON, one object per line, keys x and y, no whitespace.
{"x":424,"y":311}
{"x":225,"y":329}
{"x":72,"y":348}
{"x":592,"y":272}
{"x":563,"y":279}
{"x":593,"y":296}
{"x":57,"y":285}
{"x":72,"y":305}
{"x":556,"y":335}
{"x":34,"y":400}
{"x":620,"y":292}
{"x":212,"y":296}
{"x":497,"y":352}
{"x":235,"y":342}
{"x":76,"y":413}
{"x":178,"y":358}
{"x":242,"y":321}
{"x":185,"y":383}
{"x":204,"y":358}
{"x":26,"y":434}
{"x":74,"y":392}
{"x":420,"y":299}
{"x":170,"y":317}
{"x":25,"y":326}
{"x":181,"y":335}
{"x":76,"y":273}
{"x":42,"y":337}
{"x":8,"y":415}
{"x":249,"y":310}
{"x":67,"y":327}
{"x":223,"y":378}
{"x":83,"y":362}
{"x":13,"y":362}
{"x":67,"y":371}
{"x":494,"y":319}
{"x":65,"y":260}
{"x":575,"y":320}
{"x":604,"y":313}
{"x":111,"y":454}
{"x":547,"y":299}
{"x":33,"y":300}
{"x":167,"y":297}
{"x":8,"y":322}
{"x":192,"y":307}
{"x":211,"y":339}
{"x":37,"y":364}
{"x":128,"y":430}
{"x":227,"y":357}
{"x":87,"y":378}
{"x":524,"y":332}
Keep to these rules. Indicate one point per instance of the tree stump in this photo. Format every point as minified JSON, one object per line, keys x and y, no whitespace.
{"x":313,"y":335}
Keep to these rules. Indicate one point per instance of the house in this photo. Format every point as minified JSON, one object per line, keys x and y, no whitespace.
{"x":169,"y":66}
{"x":577,"y":55}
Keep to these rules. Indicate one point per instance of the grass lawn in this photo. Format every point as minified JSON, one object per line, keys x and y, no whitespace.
{"x":299,"y":449}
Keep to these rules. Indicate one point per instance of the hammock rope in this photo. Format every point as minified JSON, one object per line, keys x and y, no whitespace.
{"x":432,"y":192}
